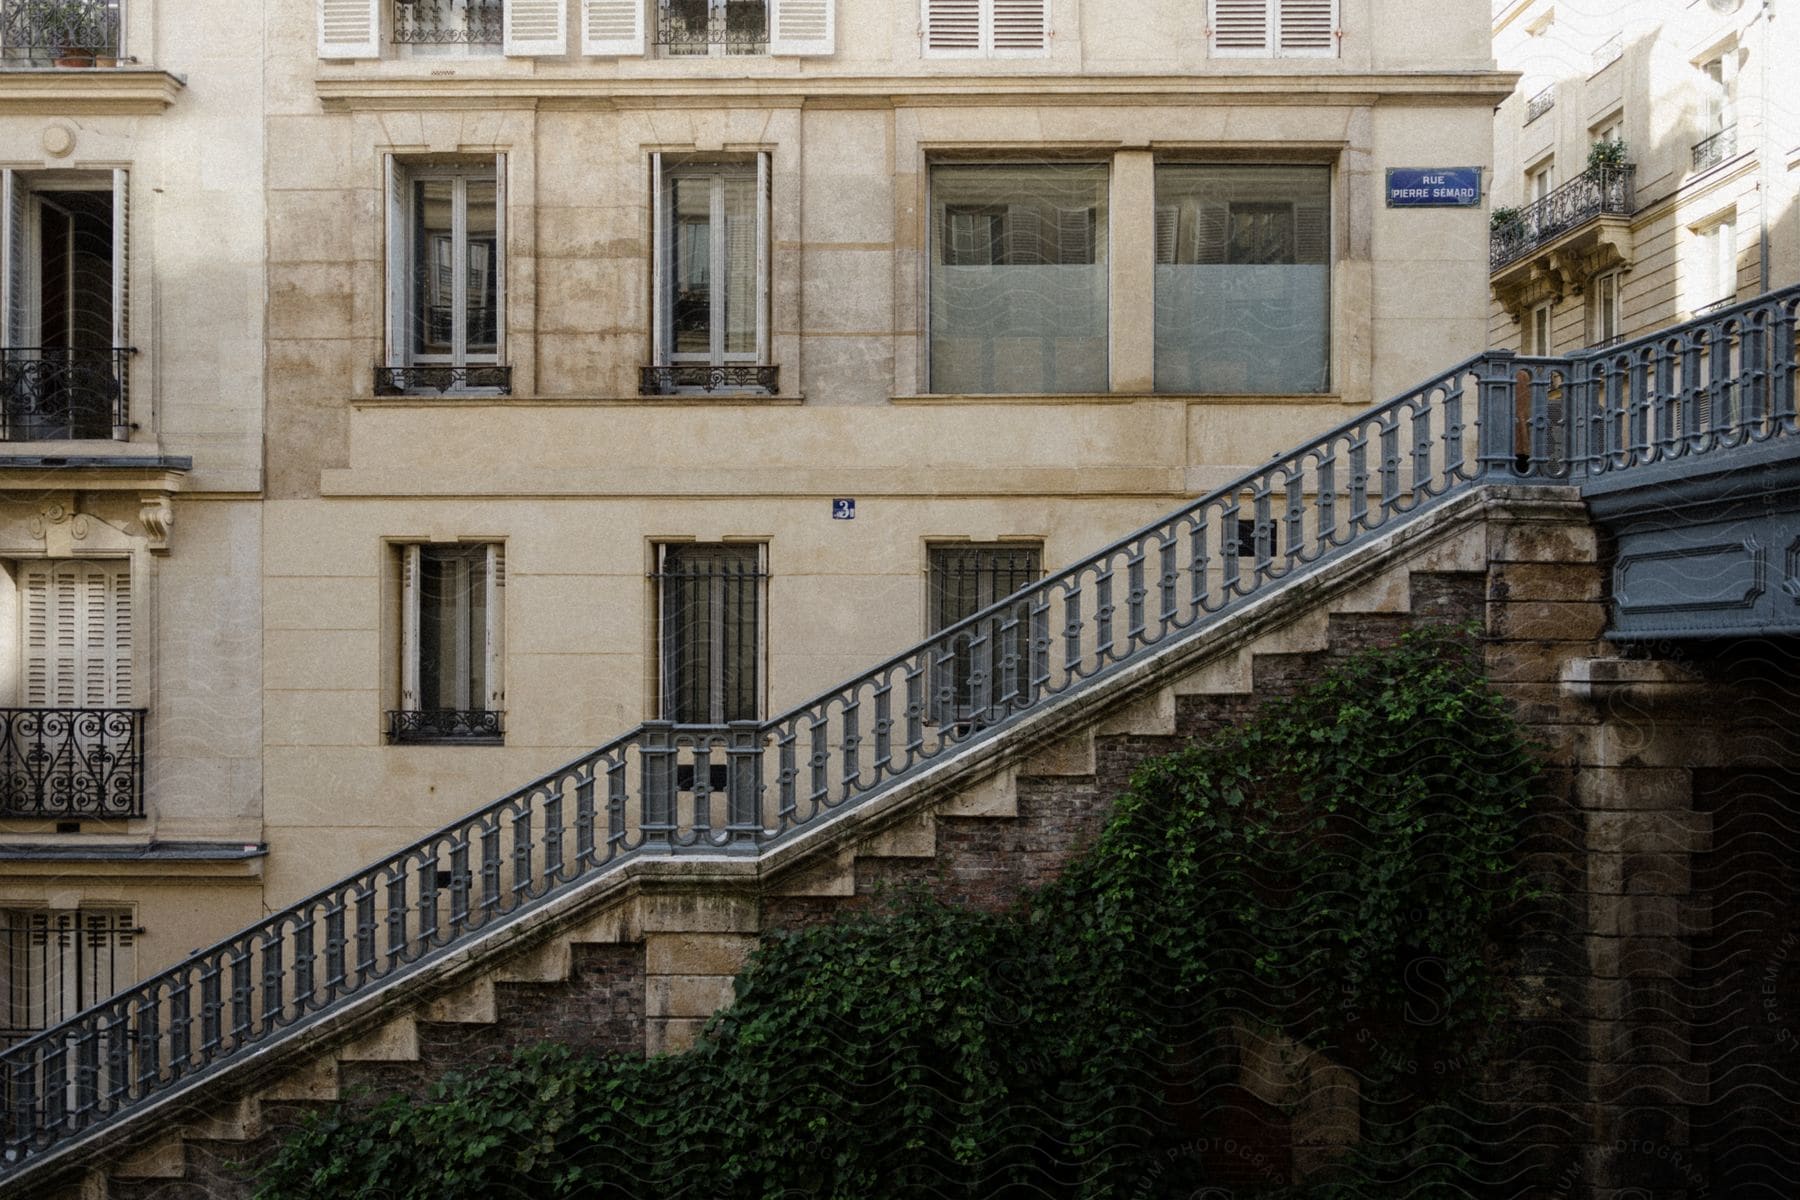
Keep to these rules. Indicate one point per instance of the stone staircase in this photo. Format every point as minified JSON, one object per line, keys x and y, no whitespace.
{"x":639,"y":965}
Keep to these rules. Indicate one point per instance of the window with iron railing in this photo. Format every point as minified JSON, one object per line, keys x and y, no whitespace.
{"x":56,"y":962}
{"x":984,"y":670}
{"x":712,"y":27}
{"x":1540,"y":104}
{"x":449,"y":26}
{"x":60,"y":33}
{"x":710,"y":631}
{"x":451,"y":628}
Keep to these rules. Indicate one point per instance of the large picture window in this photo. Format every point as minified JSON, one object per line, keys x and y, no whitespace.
{"x":1018,"y":281}
{"x":1243,"y":279}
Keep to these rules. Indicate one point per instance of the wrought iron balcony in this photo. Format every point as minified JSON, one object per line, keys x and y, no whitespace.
{"x":425,"y":726}
{"x":58,"y":393}
{"x":712,"y":26}
{"x":487,"y":378}
{"x":1609,"y":52}
{"x":1596,"y":192}
{"x":62,"y":33}
{"x":1714,"y":150}
{"x":1540,"y":104}
{"x":676,"y":378}
{"x":448,"y":22}
{"x":72,"y":762}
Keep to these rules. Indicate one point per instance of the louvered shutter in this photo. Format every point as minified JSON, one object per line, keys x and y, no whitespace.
{"x":1308,"y":28}
{"x":1312,"y":233}
{"x":802,"y":26}
{"x":78,"y":635}
{"x":349,"y":29}
{"x":1019,"y":27}
{"x":410,"y":587}
{"x":121,"y":264}
{"x":953,"y":26}
{"x":536,"y":27}
{"x":1241,"y":27}
{"x":12,"y":259}
{"x":1168,"y":222}
{"x":495,"y":583}
{"x":398,"y":256}
{"x":612,"y":27}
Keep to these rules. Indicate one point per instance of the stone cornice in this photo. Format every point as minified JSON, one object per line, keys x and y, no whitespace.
{"x":371,"y":91}
{"x":76,"y":92}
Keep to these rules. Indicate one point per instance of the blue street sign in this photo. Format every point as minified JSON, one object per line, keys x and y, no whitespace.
{"x":1433,"y":187}
{"x":843,"y":510}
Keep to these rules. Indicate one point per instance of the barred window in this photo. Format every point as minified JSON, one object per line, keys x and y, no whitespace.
{"x":56,"y":962}
{"x":984,"y":671}
{"x":710,"y":613}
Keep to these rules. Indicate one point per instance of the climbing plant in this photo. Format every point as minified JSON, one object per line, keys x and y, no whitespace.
{"x":1329,"y":877}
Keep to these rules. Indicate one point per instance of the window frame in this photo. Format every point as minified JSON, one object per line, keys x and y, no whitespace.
{"x":1718,"y":260}
{"x":1540,"y":329}
{"x":410,"y":723}
{"x":960,"y":709}
{"x":1540,"y":179}
{"x":668,"y":651}
{"x":402,"y":176}
{"x":663,"y":169}
{"x":1605,"y":310}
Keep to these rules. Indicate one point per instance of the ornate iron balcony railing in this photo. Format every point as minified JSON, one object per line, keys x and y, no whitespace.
{"x":38,"y":33}
{"x":1608,"y":52}
{"x":1712,"y":151}
{"x":58,"y":393}
{"x":416,"y":381}
{"x":72,"y":762}
{"x":660,"y":789}
{"x":448,"y":22}
{"x":688,"y":377}
{"x":1596,"y":192}
{"x":429,"y":725}
{"x":712,"y":26}
{"x":1540,"y":104}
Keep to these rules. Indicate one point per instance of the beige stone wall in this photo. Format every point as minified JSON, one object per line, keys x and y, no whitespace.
{"x":1655,"y":84}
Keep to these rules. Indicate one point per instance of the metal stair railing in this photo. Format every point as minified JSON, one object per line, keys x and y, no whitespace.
{"x":742,"y":788}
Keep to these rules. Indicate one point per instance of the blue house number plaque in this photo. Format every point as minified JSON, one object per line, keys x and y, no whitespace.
{"x":843,"y":510}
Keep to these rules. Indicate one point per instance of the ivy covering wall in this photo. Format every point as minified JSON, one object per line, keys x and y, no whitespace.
{"x":1332,"y":875}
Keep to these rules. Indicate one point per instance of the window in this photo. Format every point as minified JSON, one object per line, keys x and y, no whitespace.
{"x":712,"y":27}
{"x":1720,"y":93}
{"x":1603,"y":309}
{"x":446,"y":278}
{"x":73,"y":745}
{"x":710,"y":614}
{"x":430,"y":28}
{"x":1608,"y":131}
{"x":712,"y":276}
{"x":1243,"y":279}
{"x":68,"y":33}
{"x":1018,"y":278}
{"x":1540,"y":180}
{"x":1274,"y":28}
{"x":450,"y":644}
{"x":56,"y":962}
{"x":987,"y":28}
{"x":1537,"y":330}
{"x":986,"y":670}
{"x":1715,"y":275}
{"x":63,"y":365}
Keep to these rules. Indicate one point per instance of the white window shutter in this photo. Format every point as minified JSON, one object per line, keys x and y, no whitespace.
{"x":500,"y":259}
{"x":12,"y":259}
{"x":78,"y":634}
{"x":1308,"y":28}
{"x":614,"y":27}
{"x":802,"y":26}
{"x":399,"y":255}
{"x":349,"y":29}
{"x":121,"y":251}
{"x":409,"y":628}
{"x":495,"y":582}
{"x":1241,"y":28}
{"x":953,"y":27}
{"x":34,"y":583}
{"x":1020,"y":27}
{"x":536,"y":27}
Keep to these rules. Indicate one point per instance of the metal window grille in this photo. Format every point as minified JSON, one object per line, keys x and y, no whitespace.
{"x":985,"y":668}
{"x":448,"y":22}
{"x":70,"y":33}
{"x":1540,"y":104}
{"x":55,"y":963}
{"x":714,"y":27}
{"x":711,"y":612}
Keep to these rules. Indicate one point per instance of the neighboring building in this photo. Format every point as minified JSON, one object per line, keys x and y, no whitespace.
{"x":624,"y":359}
{"x":131,"y":390}
{"x":1693,"y":205}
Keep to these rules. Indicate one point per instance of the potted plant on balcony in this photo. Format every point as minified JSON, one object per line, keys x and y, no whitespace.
{"x":74,"y":29}
{"x":1606,"y":156}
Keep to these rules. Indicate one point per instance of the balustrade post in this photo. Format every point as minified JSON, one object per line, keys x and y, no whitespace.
{"x":743,"y":794}
{"x":1497,"y":412}
{"x":656,"y":755}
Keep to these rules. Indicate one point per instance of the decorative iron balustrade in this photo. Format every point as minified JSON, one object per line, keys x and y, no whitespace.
{"x":747,"y":786}
{"x":1540,"y":104}
{"x":702,"y":377}
{"x":78,"y":763}
{"x":1712,"y":151}
{"x":712,"y":26}
{"x":1596,"y":192}
{"x":427,"y":725}
{"x":1609,"y":52}
{"x":448,"y":22}
{"x":38,"y":33}
{"x":414,"y":381}
{"x":58,"y":393}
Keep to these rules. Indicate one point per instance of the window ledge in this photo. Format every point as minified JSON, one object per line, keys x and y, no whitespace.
{"x":71,"y":90}
{"x":465,"y":400}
